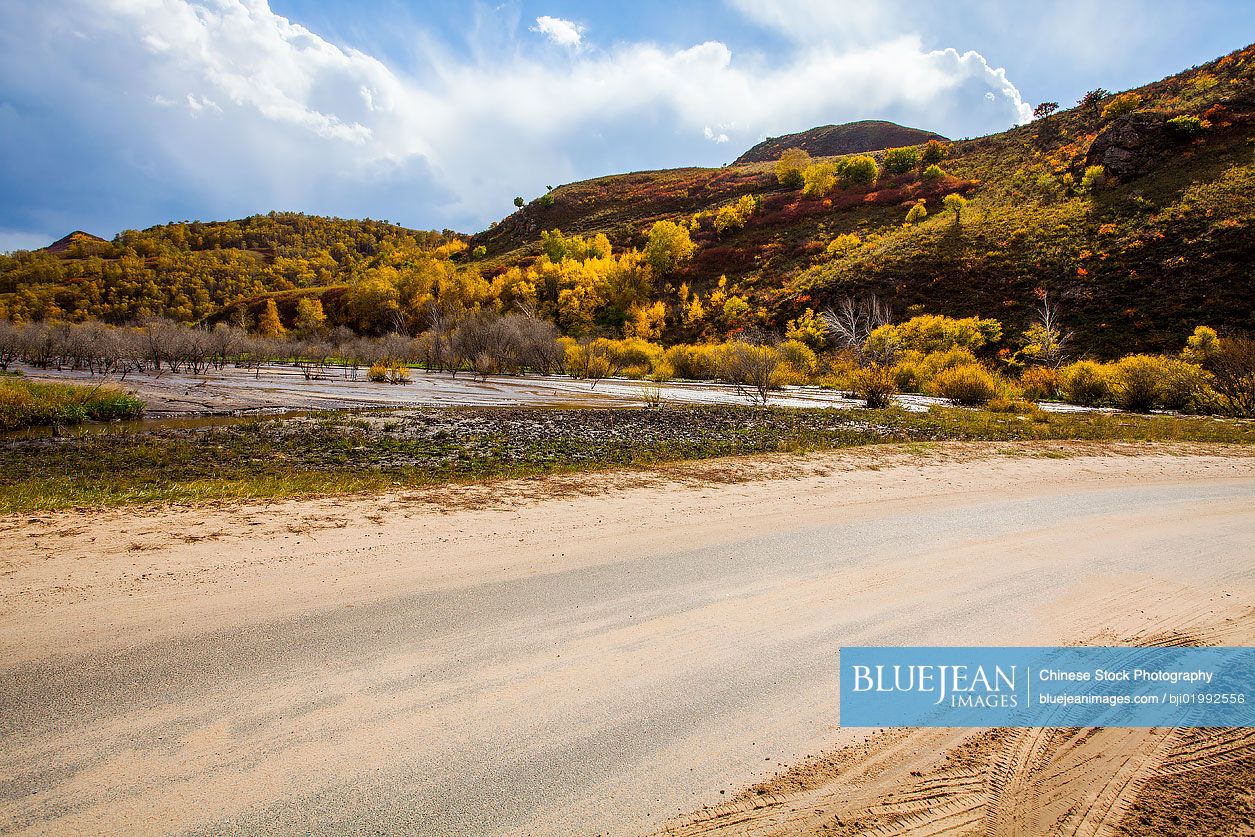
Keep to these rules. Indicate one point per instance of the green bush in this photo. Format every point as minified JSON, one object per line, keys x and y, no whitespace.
{"x":26,"y":403}
{"x":969,"y":384}
{"x":859,"y":171}
{"x":934,"y":152}
{"x":900,"y":160}
{"x":1186,"y":126}
{"x":1085,"y":383}
{"x":933,"y":172}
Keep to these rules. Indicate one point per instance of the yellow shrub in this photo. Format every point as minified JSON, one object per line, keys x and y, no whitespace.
{"x":876,"y":384}
{"x":969,"y":384}
{"x":1085,"y":382}
{"x":378,"y":373}
{"x":1040,"y":383}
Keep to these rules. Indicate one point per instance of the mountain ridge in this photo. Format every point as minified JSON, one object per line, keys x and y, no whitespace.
{"x":836,"y":140}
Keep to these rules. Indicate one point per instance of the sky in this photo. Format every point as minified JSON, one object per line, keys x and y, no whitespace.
{"x":122,"y":114}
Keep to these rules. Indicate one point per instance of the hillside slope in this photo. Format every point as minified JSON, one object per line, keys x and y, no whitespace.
{"x":1165,"y":242}
{"x":1162,"y":241}
{"x":835,"y":140}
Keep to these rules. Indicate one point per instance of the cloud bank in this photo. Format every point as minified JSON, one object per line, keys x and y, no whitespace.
{"x":174,"y":108}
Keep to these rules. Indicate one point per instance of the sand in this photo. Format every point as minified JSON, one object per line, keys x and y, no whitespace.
{"x":519,"y":657}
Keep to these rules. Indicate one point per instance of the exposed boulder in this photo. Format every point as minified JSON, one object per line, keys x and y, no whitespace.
{"x":1129,"y":144}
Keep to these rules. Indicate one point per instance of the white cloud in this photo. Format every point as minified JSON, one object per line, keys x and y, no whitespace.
{"x":300,"y":122}
{"x":11,"y":240}
{"x":565,"y":33}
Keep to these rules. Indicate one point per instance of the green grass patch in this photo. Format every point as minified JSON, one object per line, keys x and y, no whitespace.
{"x":279,"y":457}
{"x":26,"y":403}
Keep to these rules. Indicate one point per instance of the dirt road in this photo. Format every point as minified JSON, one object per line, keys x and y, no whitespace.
{"x":599,"y":653}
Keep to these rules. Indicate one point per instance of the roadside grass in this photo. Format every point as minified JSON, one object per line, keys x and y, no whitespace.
{"x":25,"y":403}
{"x":338,"y":453}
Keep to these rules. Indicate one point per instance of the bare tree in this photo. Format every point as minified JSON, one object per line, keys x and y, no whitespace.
{"x":749,"y":363}
{"x":1234,"y":369}
{"x":1046,"y":339}
{"x":11,"y":342}
{"x":853,"y":321}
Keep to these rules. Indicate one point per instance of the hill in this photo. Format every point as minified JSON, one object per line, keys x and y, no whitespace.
{"x":1162,"y":241}
{"x":835,"y":140}
{"x":193,"y":270}
{"x":1136,"y":213}
{"x":77,"y":240}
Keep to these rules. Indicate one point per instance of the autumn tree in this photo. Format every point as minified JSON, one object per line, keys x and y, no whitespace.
{"x":1044,"y":109}
{"x":859,"y":171}
{"x":790,"y":166}
{"x":668,"y":248}
{"x":916,"y":213}
{"x":1092,"y":100}
{"x":934,"y":152}
{"x":269,"y":324}
{"x":900,"y":160}
{"x":818,"y":180}
{"x":310,"y":318}
{"x":955,"y":203}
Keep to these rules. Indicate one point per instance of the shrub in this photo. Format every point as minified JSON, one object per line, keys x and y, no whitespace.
{"x":1201,"y":346}
{"x":900,"y":160}
{"x":669,"y":246}
{"x":546,"y":200}
{"x":1085,"y":383}
{"x":399,"y":374}
{"x":818,"y":180}
{"x":969,"y":385}
{"x":1186,"y":127}
{"x":800,"y":360}
{"x":1093,"y":179}
{"x":1234,"y":369}
{"x":697,"y":362}
{"x":1140,"y":383}
{"x":917,"y":212}
{"x":933,"y":172}
{"x":876,"y":384}
{"x":842,"y":244}
{"x":937,"y":333}
{"x":378,"y":373}
{"x":859,"y":171}
{"x":479,"y":252}
{"x":790,"y":166}
{"x":934,"y":152}
{"x":1040,"y":383}
{"x":1122,"y":104}
{"x":1137,"y":383}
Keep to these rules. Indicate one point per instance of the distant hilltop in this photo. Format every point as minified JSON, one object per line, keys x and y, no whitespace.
{"x":835,"y":140}
{"x":63,"y":244}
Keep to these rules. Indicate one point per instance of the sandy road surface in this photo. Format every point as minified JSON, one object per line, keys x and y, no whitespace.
{"x":587,"y":654}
